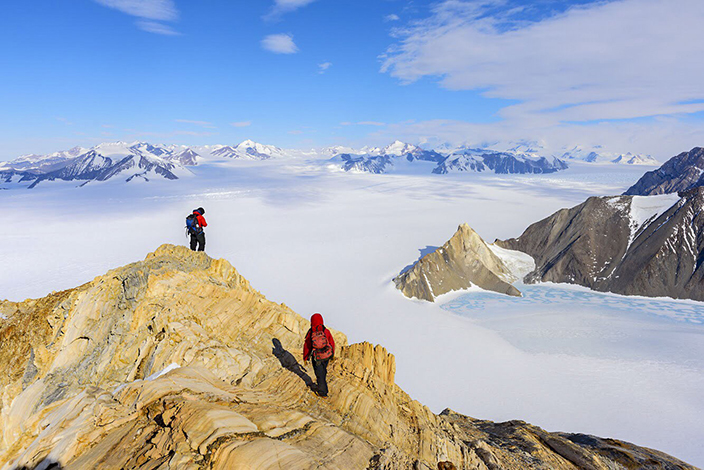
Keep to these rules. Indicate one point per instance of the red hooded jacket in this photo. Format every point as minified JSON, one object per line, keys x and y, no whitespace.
{"x":201,"y":219}
{"x":316,"y":323}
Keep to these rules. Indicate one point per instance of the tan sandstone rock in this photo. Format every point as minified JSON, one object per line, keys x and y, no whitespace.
{"x":177,"y":362}
{"x":464,"y":260}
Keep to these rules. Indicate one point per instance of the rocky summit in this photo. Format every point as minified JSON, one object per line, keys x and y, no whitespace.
{"x":176,"y":362}
{"x":680,"y":173}
{"x":463,"y":261}
{"x":633,"y":245}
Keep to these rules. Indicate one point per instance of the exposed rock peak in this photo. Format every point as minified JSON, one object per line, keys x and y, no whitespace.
{"x":177,"y":362}
{"x":464,"y":260}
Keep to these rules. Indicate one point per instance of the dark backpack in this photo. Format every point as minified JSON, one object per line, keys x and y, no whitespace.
{"x":321,"y":346}
{"x":192,"y":225}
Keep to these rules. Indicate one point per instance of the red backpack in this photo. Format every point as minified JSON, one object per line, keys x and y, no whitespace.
{"x":321,"y":347}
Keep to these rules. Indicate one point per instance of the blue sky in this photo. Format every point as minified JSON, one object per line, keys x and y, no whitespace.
{"x":624,"y":74}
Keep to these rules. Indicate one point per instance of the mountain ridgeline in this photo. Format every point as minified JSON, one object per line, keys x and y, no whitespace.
{"x":399,"y":157}
{"x":177,"y":362}
{"x":142,"y":161}
{"x":136,"y":161}
{"x":680,"y":173}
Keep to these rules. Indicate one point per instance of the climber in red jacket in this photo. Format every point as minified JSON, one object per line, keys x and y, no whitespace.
{"x":195,"y":225}
{"x":320,"y":347}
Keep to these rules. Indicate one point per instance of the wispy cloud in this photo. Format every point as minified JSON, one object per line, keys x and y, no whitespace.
{"x":151,"y":13}
{"x":279,"y":44}
{"x":206,"y":124}
{"x":363,"y":123}
{"x":241,"y":124}
{"x":602,"y":61}
{"x":391,"y":17}
{"x":322,"y":68}
{"x":661,"y":137}
{"x":156,"y":28}
{"x":281,"y":7}
{"x":296,"y":132}
{"x":64,"y":120}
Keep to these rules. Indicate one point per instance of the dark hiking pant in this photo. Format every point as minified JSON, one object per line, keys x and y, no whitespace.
{"x":321,"y":373}
{"x":198,"y":241}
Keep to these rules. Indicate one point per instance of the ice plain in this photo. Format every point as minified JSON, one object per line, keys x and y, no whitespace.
{"x":563,"y":358}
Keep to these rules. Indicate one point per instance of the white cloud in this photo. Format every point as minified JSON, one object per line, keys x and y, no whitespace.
{"x":322,"y":68}
{"x":196,"y":123}
{"x":661,"y":137}
{"x":391,"y":17}
{"x":241,"y":124}
{"x":296,"y":132}
{"x":152,"y":13}
{"x":621,"y":59}
{"x":161,"y":10}
{"x":285,"y":6}
{"x":279,"y":44}
{"x":156,"y":28}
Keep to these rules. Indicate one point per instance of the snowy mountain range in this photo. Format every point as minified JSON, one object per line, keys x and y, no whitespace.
{"x":596,"y":155}
{"x":395,"y":156}
{"x":142,"y":161}
{"x":126,"y":161}
{"x":508,"y":162}
{"x":130,"y":162}
{"x":399,"y":157}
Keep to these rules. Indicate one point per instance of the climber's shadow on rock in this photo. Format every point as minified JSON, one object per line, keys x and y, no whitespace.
{"x":46,"y":464}
{"x":290,"y":363}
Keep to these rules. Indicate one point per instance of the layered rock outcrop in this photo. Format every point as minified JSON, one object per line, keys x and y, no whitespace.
{"x":463,"y":261}
{"x":177,"y":362}
{"x":633,"y":245}
{"x":680,"y":173}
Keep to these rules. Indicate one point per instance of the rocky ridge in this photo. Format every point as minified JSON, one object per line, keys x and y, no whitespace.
{"x":633,"y":245}
{"x":177,"y":362}
{"x":464,"y":260}
{"x":680,"y":173}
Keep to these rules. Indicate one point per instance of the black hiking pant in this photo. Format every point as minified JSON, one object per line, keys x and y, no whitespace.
{"x":321,"y":373}
{"x":198,"y":241}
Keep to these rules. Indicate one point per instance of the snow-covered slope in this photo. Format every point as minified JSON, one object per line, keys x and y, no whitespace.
{"x":248,"y":149}
{"x":599,"y":155}
{"x":637,"y":159}
{"x":394,"y":157}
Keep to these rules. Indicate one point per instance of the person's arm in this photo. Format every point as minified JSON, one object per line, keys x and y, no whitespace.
{"x":307,"y":346}
{"x":203,"y":223}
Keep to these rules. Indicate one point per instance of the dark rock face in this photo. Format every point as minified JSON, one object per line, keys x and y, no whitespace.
{"x":508,"y":164}
{"x":377,"y":164}
{"x":186,"y":158}
{"x":459,"y":163}
{"x":517,"y":444}
{"x":424,"y":156}
{"x":601,"y":245}
{"x":680,"y":173}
